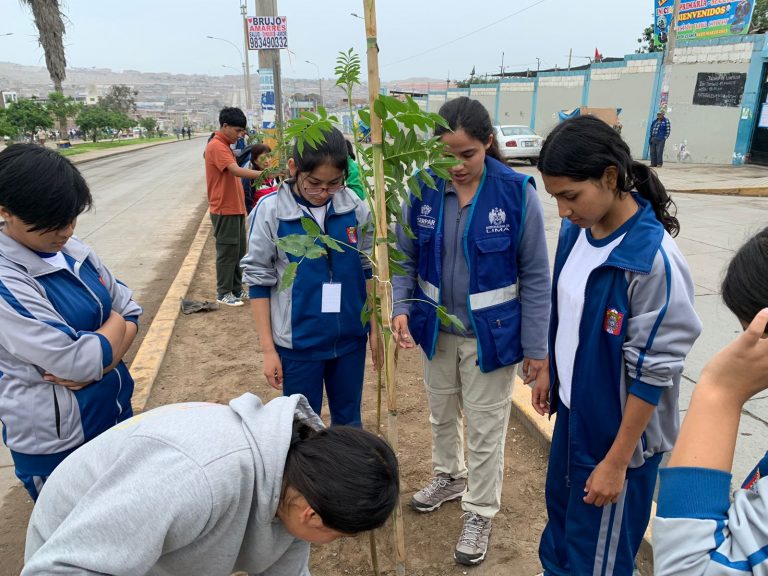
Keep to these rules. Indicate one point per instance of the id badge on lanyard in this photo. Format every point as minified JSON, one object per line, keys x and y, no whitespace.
{"x":331,"y":300}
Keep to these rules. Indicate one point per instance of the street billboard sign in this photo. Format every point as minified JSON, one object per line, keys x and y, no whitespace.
{"x":700,"y":19}
{"x":267,"y":33}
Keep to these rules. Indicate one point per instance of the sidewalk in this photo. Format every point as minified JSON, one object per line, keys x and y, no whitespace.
{"x":746,"y":180}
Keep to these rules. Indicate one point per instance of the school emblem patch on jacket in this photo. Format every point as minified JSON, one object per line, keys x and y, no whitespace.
{"x":352,"y":234}
{"x":613,"y":321}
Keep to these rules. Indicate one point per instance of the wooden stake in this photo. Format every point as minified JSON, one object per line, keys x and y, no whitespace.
{"x":382,"y":262}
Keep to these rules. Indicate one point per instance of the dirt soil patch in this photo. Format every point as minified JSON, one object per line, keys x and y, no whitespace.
{"x":215,"y":357}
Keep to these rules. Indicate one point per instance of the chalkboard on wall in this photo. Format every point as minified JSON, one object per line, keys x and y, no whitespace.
{"x":719,"y":89}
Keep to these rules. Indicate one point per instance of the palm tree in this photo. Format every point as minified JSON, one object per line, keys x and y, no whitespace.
{"x":50,"y":26}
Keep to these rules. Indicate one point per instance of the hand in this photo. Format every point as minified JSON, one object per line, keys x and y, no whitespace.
{"x":605,"y":483}
{"x":532,"y":369}
{"x":740,"y":370}
{"x":400,"y":331}
{"x":273,"y":370}
{"x":74,"y":386}
{"x":540,"y":393}
{"x":377,"y":350}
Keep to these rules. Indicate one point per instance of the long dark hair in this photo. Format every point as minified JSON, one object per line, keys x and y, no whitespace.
{"x":471,"y":116}
{"x":348,"y":476}
{"x":745,"y":286}
{"x":582,"y":148}
{"x":41,"y":187}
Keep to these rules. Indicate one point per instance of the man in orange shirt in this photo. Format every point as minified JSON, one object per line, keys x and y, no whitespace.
{"x":226,"y":205}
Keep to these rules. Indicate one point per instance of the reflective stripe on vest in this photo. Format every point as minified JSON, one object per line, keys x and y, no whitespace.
{"x":492,"y":297}
{"x":430,"y":290}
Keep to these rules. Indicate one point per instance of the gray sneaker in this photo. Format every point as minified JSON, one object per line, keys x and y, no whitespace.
{"x":229,"y":299}
{"x":473,"y":540}
{"x":441,"y":489}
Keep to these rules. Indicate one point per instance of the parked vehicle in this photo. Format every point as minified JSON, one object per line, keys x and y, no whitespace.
{"x":518,"y":143}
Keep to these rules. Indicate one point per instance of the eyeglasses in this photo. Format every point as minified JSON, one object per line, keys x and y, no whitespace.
{"x":319,"y":190}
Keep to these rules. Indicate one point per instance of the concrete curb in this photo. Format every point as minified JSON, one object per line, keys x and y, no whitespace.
{"x":751,"y":191}
{"x":541,"y":428}
{"x":146,"y":364}
{"x":110,"y":152}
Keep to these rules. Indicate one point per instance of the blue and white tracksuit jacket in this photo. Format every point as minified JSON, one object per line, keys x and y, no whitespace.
{"x":491,"y":243}
{"x":299,"y":329}
{"x":637,"y":327}
{"x":698,"y":531}
{"x":49,"y":316}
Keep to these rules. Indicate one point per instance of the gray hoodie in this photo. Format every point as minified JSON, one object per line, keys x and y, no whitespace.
{"x":179,"y":490}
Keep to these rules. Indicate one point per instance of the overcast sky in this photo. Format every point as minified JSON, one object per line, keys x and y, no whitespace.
{"x":170,"y":35}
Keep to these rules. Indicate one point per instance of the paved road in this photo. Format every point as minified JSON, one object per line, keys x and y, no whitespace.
{"x":712,"y":228}
{"x":147,"y":206}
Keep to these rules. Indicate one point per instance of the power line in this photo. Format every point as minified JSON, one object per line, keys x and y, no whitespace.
{"x":465,"y":35}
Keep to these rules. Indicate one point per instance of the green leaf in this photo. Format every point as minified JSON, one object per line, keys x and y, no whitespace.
{"x":396,"y":269}
{"x":449,"y":319}
{"x":295,"y":244}
{"x":379,"y":109}
{"x":330,"y":242}
{"x":311,"y":227}
{"x":365,"y":314}
{"x":315,"y":251}
{"x":289,"y":275}
{"x":365,"y":115}
{"x":426,"y":177}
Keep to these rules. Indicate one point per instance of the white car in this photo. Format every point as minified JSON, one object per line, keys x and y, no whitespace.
{"x":518,"y":143}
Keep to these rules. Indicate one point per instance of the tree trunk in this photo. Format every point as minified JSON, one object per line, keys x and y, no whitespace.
{"x":382,"y":263}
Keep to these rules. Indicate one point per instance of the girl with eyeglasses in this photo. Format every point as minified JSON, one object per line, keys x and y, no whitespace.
{"x":311,"y":334}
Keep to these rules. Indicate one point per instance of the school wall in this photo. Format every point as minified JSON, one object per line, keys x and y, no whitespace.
{"x":556,"y":91}
{"x":486,"y":95}
{"x":516,"y":102}
{"x":629,"y":85}
{"x":711,"y":131}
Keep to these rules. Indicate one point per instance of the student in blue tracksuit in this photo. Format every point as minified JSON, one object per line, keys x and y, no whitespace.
{"x":310,"y":333}
{"x":697,"y":530}
{"x":479,"y":250}
{"x":65,"y":320}
{"x":622,"y":323}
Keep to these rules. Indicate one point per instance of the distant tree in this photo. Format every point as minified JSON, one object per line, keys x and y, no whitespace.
{"x":97,"y":120}
{"x":6,"y":127}
{"x":120,"y":98}
{"x":759,"y":17}
{"x":62,"y":107}
{"x":149,"y":124}
{"x":647,"y":43}
{"x":27,"y":115}
{"x":476,"y":80}
{"x":50,"y":27}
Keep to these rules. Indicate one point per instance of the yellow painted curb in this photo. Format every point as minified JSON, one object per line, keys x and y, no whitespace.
{"x":541,"y":428}
{"x":151,"y":353}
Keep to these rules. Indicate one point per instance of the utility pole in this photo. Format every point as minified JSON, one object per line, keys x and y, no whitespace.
{"x":271,"y":59}
{"x":246,"y":64}
{"x":570,"y":55}
{"x":669,"y":54}
{"x":538,"y":65}
{"x":502,"y":67}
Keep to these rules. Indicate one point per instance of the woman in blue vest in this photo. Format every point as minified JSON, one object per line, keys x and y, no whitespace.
{"x":479,"y":250}
{"x":622,"y":324}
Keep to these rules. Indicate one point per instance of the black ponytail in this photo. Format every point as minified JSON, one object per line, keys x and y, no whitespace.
{"x":471,"y":116}
{"x":745,"y":286}
{"x":582,"y":148}
{"x":348,"y":476}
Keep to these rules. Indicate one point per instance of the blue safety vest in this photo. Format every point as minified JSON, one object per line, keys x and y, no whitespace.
{"x":490,"y":241}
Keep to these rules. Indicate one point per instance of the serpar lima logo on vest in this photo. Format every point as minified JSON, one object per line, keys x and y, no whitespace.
{"x":498,"y":219}
{"x":425,"y":220}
